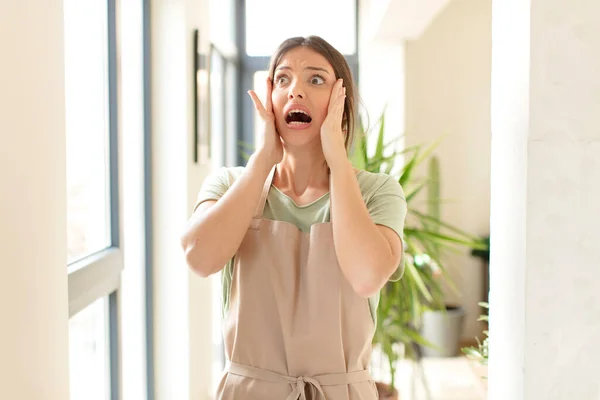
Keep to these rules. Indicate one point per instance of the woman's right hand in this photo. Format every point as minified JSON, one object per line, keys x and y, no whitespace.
{"x":269,"y":146}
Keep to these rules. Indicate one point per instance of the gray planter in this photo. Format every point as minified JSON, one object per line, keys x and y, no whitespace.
{"x":443,"y":330}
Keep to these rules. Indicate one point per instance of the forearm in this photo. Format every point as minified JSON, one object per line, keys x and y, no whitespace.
{"x":365,"y":256}
{"x":213,"y":237}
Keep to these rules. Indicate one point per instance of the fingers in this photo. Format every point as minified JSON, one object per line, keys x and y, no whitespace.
{"x":340,"y":101}
{"x":263,"y":111}
{"x":269,"y":92}
{"x":337,"y":91}
{"x":257,"y":103}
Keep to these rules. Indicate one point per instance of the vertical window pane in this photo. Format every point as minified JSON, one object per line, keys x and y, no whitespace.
{"x":231,"y":89}
{"x":334,"y":21}
{"x":86,"y":91}
{"x":88,"y":353}
{"x":217,"y":112}
{"x":222,"y":27}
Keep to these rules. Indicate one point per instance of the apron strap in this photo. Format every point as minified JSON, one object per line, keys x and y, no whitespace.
{"x":330,"y":201}
{"x":330,"y":207}
{"x":258,"y":213}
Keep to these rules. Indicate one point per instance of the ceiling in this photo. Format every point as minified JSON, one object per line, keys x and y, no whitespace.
{"x":398,"y":20}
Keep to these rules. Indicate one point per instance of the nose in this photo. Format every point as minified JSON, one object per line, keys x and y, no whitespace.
{"x":296,"y":91}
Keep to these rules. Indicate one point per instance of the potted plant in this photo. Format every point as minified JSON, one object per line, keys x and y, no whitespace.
{"x":484,"y":255}
{"x":442,"y":328}
{"x":479,"y":354}
{"x":426,"y":236}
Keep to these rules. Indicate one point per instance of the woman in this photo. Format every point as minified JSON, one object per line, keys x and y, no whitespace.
{"x":307,"y":240}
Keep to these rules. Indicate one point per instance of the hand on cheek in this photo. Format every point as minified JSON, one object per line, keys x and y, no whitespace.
{"x":269,"y":146}
{"x":332,"y":136}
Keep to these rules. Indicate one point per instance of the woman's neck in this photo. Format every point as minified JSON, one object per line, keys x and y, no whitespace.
{"x":301,"y":171}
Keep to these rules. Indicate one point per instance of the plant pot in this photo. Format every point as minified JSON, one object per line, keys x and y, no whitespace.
{"x":444,"y":331}
{"x":386,"y":392}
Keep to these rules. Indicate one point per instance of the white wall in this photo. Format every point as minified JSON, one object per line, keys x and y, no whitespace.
{"x":448,"y":72}
{"x":545,"y":214}
{"x":33,"y":248}
{"x":183,"y":345}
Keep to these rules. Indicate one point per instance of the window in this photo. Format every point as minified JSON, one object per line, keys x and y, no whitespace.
{"x":224,"y":98}
{"x":223,"y":71}
{"x":86,"y":96}
{"x":217,"y":101}
{"x":94,"y":255}
{"x":88,"y":352}
{"x":258,"y":85}
{"x":334,"y":21}
{"x":231,"y":117}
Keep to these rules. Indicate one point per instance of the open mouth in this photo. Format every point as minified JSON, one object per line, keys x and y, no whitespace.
{"x":297,"y":117}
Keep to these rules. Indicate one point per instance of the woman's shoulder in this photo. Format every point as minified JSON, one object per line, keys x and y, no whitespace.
{"x":376,"y":183}
{"x":225,"y":175}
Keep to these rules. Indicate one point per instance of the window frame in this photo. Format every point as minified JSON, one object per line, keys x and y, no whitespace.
{"x":148,"y":203}
{"x":229,"y":60}
{"x":98,"y":275}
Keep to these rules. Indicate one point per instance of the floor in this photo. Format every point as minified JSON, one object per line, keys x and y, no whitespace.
{"x":456,"y":378}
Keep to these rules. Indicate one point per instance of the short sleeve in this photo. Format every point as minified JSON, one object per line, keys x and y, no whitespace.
{"x":387,"y":206}
{"x":214,"y":186}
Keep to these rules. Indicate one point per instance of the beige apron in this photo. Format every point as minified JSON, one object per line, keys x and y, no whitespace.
{"x":295,"y":329}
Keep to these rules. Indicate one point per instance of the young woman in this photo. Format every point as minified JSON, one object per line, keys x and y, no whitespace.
{"x":307,"y":241}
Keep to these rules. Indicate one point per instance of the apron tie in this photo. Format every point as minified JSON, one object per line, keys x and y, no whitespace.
{"x":299,"y":391}
{"x":299,"y":383}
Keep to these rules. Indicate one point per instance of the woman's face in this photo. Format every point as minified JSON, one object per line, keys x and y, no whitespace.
{"x":302,"y":86}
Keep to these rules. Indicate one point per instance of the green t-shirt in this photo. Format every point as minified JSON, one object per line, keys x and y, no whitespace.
{"x":382,"y":194}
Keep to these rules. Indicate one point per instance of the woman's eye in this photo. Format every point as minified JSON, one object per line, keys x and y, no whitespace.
{"x":281,"y":80}
{"x":317,"y":80}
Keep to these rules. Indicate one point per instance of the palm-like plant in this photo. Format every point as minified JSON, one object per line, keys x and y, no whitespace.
{"x":426,"y":236}
{"x":480,"y":352}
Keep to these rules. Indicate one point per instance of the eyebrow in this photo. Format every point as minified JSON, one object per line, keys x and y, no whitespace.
{"x":306,"y":68}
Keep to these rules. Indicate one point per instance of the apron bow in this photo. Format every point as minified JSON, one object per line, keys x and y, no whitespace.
{"x":299,"y":392}
{"x":299,"y":383}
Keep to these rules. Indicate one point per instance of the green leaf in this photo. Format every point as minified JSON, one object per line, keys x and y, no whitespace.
{"x":441,"y":238}
{"x":407,"y":170}
{"x":245,"y":155}
{"x":394,"y":332}
{"x":379,"y":148}
{"x":472,"y":352}
{"x":394,"y":141}
{"x":389,"y":168}
{"x":415,"y":191}
{"x":408,"y":149}
{"x":429,"y":150}
{"x":242,"y":144}
{"x":450,"y":227}
{"x":415,"y":337}
{"x":357,"y":157}
{"x":374,"y":165}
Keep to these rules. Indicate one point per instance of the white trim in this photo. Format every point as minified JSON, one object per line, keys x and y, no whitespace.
{"x":94,"y":277}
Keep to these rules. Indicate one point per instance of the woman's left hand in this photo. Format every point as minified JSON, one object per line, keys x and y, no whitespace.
{"x":332,"y":136}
